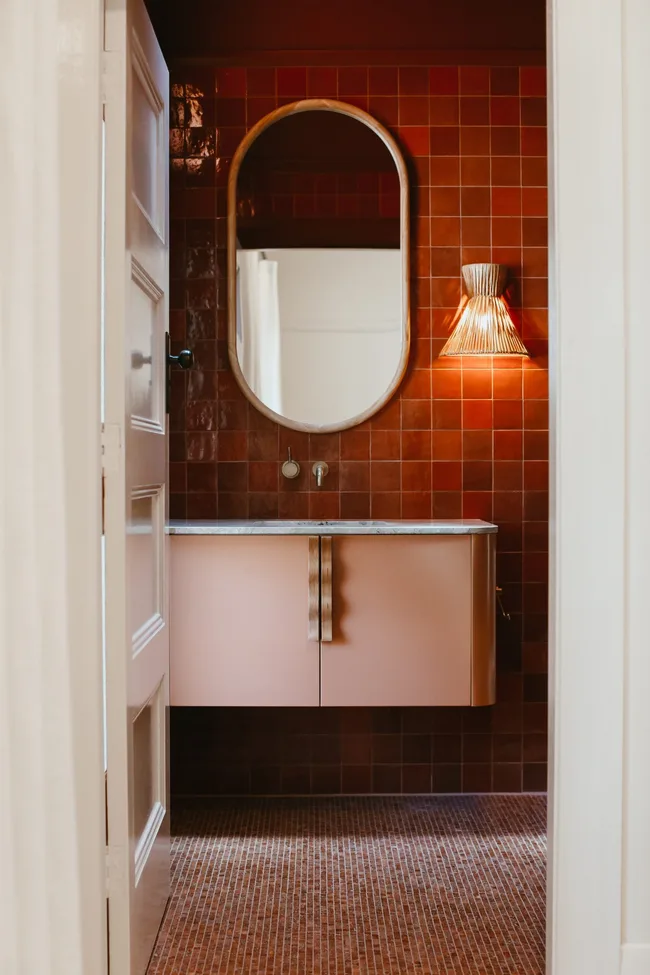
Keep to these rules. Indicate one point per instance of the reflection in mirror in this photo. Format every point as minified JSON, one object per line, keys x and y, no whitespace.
{"x":317,"y":264}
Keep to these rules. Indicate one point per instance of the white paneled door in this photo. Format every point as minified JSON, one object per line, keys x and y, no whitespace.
{"x":135,"y":463}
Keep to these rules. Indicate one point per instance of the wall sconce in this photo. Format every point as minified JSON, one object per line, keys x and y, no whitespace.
{"x":485,"y":326}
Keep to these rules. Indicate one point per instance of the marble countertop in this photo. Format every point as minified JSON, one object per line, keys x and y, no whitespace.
{"x":369,"y":527}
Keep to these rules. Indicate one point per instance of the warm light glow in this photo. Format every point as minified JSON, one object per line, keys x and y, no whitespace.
{"x":484,"y":323}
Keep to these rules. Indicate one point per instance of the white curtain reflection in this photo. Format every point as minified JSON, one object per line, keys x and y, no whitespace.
{"x":258,"y":326}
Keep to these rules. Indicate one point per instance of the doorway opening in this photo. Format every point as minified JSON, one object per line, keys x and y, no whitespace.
{"x":345,"y":839}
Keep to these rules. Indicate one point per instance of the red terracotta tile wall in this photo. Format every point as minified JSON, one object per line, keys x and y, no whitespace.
{"x":346,"y":751}
{"x":464,"y":437}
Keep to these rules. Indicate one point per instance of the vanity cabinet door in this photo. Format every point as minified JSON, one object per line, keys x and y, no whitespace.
{"x":401,"y":612}
{"x":240,"y":627}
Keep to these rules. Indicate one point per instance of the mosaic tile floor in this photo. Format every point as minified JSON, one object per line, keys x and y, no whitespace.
{"x":388,"y":886}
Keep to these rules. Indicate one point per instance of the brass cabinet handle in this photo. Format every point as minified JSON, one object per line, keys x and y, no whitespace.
{"x":313,"y":626}
{"x":326,"y":588}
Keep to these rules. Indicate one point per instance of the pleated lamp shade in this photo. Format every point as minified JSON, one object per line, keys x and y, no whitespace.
{"x":485,"y":326}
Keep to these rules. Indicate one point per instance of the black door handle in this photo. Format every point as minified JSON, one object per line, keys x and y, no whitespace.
{"x":184,"y":359}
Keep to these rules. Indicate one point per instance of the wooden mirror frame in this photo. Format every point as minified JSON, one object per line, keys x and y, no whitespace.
{"x":321,"y":105}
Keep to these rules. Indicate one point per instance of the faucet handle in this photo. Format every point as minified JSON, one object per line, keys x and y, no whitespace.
{"x":291,"y":467}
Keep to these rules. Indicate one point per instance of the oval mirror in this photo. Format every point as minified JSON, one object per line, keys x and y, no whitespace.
{"x":318,"y":265}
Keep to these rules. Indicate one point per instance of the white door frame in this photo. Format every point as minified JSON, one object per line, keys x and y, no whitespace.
{"x":599,"y":891}
{"x":599,"y":894}
{"x":52,"y":833}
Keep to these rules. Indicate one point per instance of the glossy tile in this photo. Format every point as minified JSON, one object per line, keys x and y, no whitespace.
{"x":461,"y":437}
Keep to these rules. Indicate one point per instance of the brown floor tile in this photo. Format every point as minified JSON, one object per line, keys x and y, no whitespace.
{"x":440,"y":886}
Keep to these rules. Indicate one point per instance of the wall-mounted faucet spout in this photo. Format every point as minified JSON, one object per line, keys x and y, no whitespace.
{"x":319,"y":470}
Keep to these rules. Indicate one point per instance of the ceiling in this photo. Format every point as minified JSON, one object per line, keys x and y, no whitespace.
{"x":219,"y":28}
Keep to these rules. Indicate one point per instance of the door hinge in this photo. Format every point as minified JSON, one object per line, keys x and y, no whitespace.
{"x":114,"y":869}
{"x":112,"y":62}
{"x":111,"y":446}
{"x":106,"y":77}
{"x":111,"y":441}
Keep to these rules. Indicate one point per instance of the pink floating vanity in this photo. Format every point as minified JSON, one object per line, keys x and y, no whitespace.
{"x":332,"y":613}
